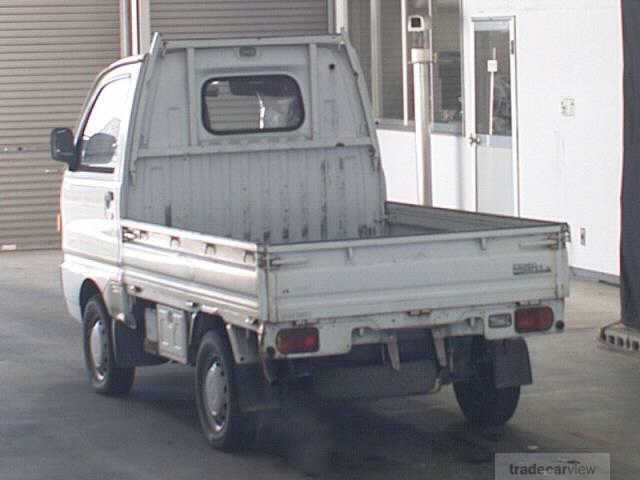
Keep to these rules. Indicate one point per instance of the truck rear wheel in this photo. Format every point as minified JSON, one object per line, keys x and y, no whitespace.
{"x":480,"y":400}
{"x":105,"y":376}
{"x":224,"y":425}
{"x":484,"y":404}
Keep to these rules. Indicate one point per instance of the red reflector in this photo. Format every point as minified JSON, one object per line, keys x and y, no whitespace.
{"x":536,"y":319}
{"x":298,"y":340}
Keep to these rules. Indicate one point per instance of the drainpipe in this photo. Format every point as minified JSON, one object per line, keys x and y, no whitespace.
{"x":421,"y":58}
{"x":125,"y":28}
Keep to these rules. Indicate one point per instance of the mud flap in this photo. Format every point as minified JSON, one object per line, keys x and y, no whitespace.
{"x":511,"y":364}
{"x":254,"y":393}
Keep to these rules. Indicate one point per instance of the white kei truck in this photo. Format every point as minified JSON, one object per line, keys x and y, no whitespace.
{"x":224,"y":207}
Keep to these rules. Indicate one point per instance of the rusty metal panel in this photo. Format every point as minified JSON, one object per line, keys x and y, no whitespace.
{"x":50,"y":52}
{"x":183,"y":19}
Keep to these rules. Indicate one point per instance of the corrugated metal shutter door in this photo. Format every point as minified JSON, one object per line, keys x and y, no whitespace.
{"x":183,"y":19}
{"x":50,"y":52}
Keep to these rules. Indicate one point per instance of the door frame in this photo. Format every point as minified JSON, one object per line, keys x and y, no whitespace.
{"x":470,"y":104}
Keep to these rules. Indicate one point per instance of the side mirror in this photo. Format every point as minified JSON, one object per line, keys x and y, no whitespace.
{"x":62,"y":147}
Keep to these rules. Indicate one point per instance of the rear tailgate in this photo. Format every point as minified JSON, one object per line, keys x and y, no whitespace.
{"x":419,"y":272}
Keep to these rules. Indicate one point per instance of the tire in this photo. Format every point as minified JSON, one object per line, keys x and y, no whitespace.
{"x":224,"y":425}
{"x":480,"y":401}
{"x":104,"y":375}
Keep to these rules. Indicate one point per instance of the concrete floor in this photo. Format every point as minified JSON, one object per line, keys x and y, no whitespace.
{"x":52,"y":426}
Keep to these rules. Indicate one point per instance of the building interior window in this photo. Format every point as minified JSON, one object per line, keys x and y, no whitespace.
{"x":378,"y":32}
{"x":392,"y":105}
{"x":447,"y":67}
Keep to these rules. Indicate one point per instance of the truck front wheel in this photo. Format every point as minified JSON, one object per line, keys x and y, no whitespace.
{"x":224,"y":425}
{"x":105,"y":376}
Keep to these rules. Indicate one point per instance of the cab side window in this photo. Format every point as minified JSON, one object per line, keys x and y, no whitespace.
{"x":99,"y":147}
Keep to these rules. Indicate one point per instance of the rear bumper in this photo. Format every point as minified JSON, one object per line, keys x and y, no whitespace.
{"x":338,"y":336}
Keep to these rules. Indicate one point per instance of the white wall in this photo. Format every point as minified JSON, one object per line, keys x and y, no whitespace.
{"x":570,"y":167}
{"x":398,"y":153}
{"x":399,"y":162}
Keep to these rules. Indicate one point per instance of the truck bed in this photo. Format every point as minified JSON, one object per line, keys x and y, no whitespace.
{"x":429,"y":260}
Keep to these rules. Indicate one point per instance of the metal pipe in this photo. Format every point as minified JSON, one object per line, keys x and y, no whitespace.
{"x":342,"y":16}
{"x":125,"y":29}
{"x":135,"y":27}
{"x":420,"y":58}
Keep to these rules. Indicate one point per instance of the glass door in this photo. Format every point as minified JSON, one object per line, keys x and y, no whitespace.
{"x":494,"y":138}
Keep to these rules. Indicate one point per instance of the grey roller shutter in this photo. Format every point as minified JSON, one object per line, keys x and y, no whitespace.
{"x":360,"y":33}
{"x":181,"y":19}
{"x":50,"y":52}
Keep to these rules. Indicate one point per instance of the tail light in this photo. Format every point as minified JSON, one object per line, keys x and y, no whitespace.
{"x":536,"y":319}
{"x":298,"y":340}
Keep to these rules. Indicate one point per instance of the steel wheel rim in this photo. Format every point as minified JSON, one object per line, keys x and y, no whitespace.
{"x":98,"y":349}
{"x":216,"y":394}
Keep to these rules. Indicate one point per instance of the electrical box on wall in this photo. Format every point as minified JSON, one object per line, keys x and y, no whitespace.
{"x":568,"y":107}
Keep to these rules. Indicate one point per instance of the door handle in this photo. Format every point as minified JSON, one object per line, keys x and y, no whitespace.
{"x":474,"y":140}
{"x":108,"y":198}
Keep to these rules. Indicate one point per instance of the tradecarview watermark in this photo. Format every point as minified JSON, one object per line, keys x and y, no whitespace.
{"x":553,"y":466}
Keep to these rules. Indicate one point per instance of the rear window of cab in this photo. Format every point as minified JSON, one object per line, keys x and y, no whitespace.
{"x":252,"y":104}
